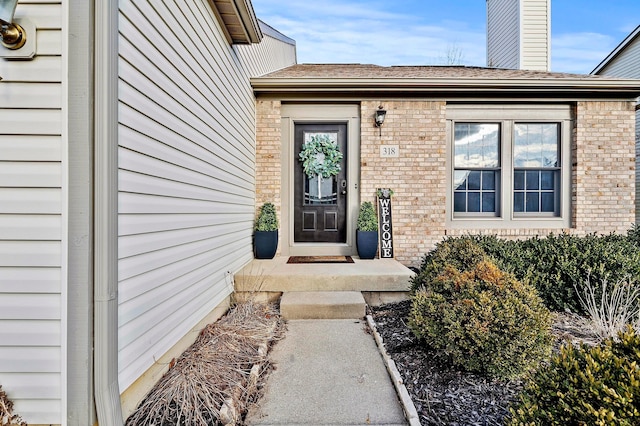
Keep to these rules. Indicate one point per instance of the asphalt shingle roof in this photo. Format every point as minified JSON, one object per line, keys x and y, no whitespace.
{"x":375,"y":71}
{"x":460,"y":80}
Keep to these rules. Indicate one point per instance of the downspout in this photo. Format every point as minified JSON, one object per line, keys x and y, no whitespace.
{"x":106,"y":388}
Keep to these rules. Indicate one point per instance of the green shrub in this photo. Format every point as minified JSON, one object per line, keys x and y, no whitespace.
{"x":555,"y":265}
{"x":559,"y":264}
{"x":633,"y":234}
{"x":267,"y":219}
{"x":367,"y":219}
{"x":461,"y":253}
{"x":585,"y":386}
{"x":482,"y":320}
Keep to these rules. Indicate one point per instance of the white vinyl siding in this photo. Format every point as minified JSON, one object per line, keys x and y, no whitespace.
{"x":518,"y":34}
{"x":271,"y":54}
{"x":503,"y":36}
{"x":627,"y":63}
{"x":535,"y":35}
{"x":32,"y":221}
{"x":186,"y":178}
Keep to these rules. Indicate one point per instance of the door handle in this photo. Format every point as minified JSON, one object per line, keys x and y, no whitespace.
{"x":343,"y":185}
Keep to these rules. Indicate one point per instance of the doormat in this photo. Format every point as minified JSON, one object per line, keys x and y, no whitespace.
{"x":320,"y":259}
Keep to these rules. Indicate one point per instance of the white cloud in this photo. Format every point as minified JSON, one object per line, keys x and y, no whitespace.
{"x":332,"y":32}
{"x":376,"y":32}
{"x":579,"y":52}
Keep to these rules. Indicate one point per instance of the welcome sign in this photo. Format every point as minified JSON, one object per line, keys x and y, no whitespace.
{"x":386,"y":227}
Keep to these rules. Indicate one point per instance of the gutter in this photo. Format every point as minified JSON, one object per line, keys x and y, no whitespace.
{"x":622,"y":87}
{"x":105,"y":145}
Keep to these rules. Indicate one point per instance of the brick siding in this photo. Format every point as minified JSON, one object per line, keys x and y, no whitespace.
{"x":602,"y":175}
{"x":268,"y":157}
{"x":604,"y":161}
{"x":418,"y":176}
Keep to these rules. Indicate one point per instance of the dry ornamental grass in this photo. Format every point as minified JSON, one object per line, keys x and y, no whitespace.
{"x":214,"y":381}
{"x":7,"y":416}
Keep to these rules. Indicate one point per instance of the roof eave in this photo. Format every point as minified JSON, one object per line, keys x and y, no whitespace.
{"x":615,"y":52}
{"x":238,"y":20}
{"x":623,"y":87}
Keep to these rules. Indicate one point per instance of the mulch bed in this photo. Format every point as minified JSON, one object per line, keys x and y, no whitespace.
{"x":443,"y":396}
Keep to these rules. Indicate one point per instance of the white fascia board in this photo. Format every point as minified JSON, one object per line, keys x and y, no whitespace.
{"x":263,"y":85}
{"x":606,"y":61}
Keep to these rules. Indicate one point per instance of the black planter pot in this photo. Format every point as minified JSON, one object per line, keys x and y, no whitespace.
{"x":367,"y":243}
{"x":265,"y":244}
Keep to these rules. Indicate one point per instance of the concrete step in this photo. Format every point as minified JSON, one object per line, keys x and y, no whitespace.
{"x":276,"y":275}
{"x":322,"y":305}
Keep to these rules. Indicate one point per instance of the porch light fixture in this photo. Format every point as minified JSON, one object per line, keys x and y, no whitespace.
{"x":380,"y":116}
{"x":12,"y":35}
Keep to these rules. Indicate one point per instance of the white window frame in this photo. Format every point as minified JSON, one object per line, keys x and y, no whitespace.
{"x":507,"y":116}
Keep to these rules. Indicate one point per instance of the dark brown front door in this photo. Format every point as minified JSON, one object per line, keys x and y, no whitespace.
{"x":320,"y":201}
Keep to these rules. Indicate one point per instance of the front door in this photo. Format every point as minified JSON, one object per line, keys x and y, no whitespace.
{"x":320,"y":183}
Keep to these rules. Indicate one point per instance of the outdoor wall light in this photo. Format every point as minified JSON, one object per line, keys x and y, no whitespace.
{"x":12,"y":34}
{"x":380,"y":116}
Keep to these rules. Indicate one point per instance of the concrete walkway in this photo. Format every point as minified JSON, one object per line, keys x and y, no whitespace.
{"x":328,"y":372}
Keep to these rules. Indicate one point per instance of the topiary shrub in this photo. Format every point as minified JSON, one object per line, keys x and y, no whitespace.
{"x":482,"y":320}
{"x":460,"y":253}
{"x":267,"y":219}
{"x":585,"y":386}
{"x":367,"y":219}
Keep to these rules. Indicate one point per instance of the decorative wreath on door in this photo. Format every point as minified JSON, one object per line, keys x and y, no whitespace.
{"x":320,"y":157}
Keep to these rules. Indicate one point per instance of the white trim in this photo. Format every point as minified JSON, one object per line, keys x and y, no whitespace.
{"x":65,"y":209}
{"x":606,"y":61}
{"x":555,"y":87}
{"x":79,"y":115}
{"x":107,"y":392}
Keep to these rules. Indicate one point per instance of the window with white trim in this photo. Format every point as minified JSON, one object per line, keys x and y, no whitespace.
{"x":509,"y":166}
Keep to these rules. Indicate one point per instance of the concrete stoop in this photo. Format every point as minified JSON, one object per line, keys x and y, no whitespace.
{"x":379,"y":280}
{"x":296,"y":305}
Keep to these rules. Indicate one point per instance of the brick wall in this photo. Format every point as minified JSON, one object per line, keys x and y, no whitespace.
{"x":605,"y":167}
{"x":417,"y":176}
{"x":603,"y":170}
{"x":268,"y":153}
{"x":268,"y":157}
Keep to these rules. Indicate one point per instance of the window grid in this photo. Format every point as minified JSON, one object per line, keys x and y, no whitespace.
{"x":476,"y":168}
{"x":536,"y":177}
{"x":476,"y":191}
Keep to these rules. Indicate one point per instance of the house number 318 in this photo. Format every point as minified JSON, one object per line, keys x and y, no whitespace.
{"x":387,"y":151}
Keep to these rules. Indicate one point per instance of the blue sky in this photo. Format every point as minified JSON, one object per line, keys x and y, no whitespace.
{"x":423,"y":32}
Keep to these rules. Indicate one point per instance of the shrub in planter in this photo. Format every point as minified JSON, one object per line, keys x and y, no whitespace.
{"x":482,"y":320}
{"x":461,"y":253}
{"x":266,"y":232}
{"x":367,"y":231}
{"x":585,"y":386}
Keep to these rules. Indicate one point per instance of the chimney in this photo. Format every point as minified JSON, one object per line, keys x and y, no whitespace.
{"x":519,"y":34}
